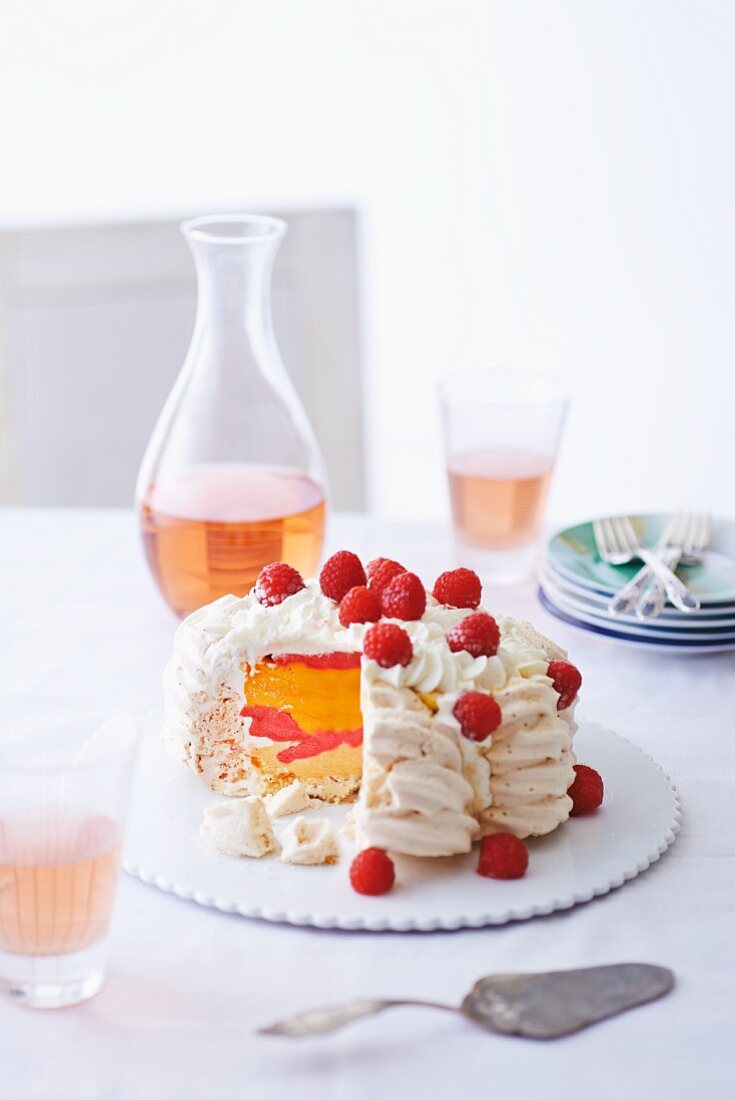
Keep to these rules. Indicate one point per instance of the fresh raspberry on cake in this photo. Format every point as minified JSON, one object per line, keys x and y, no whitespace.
{"x":340,"y":573}
{"x":587,"y":791}
{"x":388,"y":645}
{"x":404,"y":598}
{"x":359,"y":605}
{"x":479,"y":634}
{"x":458,"y":588}
{"x":381,"y":571}
{"x":372,"y":872}
{"x":478,"y":715}
{"x":567,"y":681}
{"x":277,"y":582}
{"x":502,"y":855}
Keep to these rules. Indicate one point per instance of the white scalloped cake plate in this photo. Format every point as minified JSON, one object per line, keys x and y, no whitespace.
{"x":586,"y":857}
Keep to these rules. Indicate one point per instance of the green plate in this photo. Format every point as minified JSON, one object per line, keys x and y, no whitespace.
{"x":573,"y":554}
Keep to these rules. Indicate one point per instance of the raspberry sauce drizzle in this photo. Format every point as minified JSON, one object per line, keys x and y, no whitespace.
{"x":278,"y":725}
{"x":318,"y":660}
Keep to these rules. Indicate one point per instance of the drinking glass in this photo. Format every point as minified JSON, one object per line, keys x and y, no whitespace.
{"x":501,"y":435}
{"x":64,"y":795}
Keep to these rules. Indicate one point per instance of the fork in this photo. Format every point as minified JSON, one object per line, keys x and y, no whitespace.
{"x":666,"y":547}
{"x":618,"y":543}
{"x":629,"y":595}
{"x":686,"y":543}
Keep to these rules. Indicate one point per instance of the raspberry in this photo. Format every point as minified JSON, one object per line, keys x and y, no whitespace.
{"x":375,"y":564}
{"x":388,"y":644}
{"x":360,"y":605}
{"x":479,"y":715}
{"x":567,"y":681}
{"x":404,"y":597}
{"x":372,"y":872}
{"x":381,"y":571}
{"x":277,"y":582}
{"x":340,"y":573}
{"x":502,"y":855}
{"x":587,"y":791}
{"x":478,"y":634}
{"x":458,"y":588}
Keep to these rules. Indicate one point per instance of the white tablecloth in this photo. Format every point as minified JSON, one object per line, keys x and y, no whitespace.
{"x":83,"y":629}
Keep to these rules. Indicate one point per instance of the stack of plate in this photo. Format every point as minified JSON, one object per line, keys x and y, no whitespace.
{"x":577,"y":586}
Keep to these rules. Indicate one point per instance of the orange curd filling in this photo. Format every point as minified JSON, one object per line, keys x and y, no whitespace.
{"x":309,"y":707}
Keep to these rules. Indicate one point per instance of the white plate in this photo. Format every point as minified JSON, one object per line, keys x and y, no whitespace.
{"x":704,"y":619}
{"x":584,"y":858}
{"x":672,"y":631}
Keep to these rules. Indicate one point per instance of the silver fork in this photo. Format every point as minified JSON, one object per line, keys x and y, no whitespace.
{"x":667,"y":547}
{"x":629,"y":595}
{"x":686,"y":544}
{"x":618,"y":543}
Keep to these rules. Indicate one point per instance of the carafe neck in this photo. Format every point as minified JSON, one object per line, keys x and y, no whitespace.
{"x":234,"y":259}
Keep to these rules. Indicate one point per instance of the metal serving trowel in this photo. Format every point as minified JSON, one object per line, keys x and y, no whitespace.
{"x":537,"y":1006}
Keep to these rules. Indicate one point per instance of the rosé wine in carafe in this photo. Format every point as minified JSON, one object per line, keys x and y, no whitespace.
{"x":210,"y":531}
{"x":232,"y":478}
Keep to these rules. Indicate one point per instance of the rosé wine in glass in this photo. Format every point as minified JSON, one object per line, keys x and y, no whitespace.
{"x":57,"y":883}
{"x":498,"y":496}
{"x":64,"y":788}
{"x":501,"y":435}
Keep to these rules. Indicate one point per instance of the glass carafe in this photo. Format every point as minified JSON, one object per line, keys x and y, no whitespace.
{"x":232,"y":477}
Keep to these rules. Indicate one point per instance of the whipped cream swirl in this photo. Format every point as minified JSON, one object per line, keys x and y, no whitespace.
{"x":415,"y":798}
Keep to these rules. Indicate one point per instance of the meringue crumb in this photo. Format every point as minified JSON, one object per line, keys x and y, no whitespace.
{"x":309,"y":841}
{"x":239,"y":827}
{"x":289,"y":800}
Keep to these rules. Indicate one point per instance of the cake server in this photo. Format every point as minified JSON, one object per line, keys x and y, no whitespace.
{"x":537,"y":1006}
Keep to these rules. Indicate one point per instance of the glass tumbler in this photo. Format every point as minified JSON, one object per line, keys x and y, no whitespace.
{"x":501,"y":436}
{"x":64,"y":796}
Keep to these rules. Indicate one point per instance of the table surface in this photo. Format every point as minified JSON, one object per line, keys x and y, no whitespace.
{"x":84,"y":629}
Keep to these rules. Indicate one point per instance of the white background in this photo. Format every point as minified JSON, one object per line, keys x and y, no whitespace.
{"x":547,"y":184}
